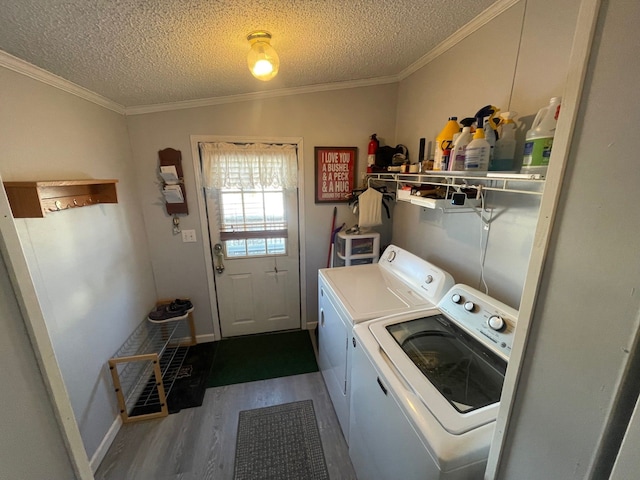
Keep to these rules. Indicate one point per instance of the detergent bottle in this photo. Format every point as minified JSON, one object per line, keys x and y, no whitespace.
{"x":477,"y":152}
{"x":443,"y":144}
{"x":505,"y":150}
{"x":456,"y":160}
{"x":539,"y":139}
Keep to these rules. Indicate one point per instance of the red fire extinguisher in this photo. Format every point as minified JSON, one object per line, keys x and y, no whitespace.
{"x":371,"y":157}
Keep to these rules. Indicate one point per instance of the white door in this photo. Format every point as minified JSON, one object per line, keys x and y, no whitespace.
{"x":254,"y":234}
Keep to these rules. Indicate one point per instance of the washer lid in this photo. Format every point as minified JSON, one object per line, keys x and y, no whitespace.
{"x":456,"y":377}
{"x":369,"y":291}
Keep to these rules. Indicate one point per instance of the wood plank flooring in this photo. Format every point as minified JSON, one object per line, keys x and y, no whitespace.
{"x":199,"y":443}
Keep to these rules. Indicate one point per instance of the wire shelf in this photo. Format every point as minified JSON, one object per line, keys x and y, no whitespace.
{"x":148,"y":363}
{"x":147,"y":395}
{"x":528,"y":184}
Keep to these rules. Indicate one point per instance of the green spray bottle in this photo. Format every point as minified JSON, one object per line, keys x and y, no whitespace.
{"x":504,"y":152}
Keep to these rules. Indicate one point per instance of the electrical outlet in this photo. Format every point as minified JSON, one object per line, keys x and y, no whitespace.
{"x":189,"y":236}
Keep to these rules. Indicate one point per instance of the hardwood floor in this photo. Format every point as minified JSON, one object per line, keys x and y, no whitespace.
{"x":199,"y":443}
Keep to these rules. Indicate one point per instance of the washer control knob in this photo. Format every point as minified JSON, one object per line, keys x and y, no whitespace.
{"x":429,"y":279}
{"x":496,"y":323}
{"x":456,"y":298}
{"x":469,"y":306}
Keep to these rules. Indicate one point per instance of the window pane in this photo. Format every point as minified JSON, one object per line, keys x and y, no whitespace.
{"x":276,"y":246}
{"x":231,"y":204}
{"x":256,"y":246}
{"x":236,"y":248}
{"x":274,"y":207}
{"x":254,"y":209}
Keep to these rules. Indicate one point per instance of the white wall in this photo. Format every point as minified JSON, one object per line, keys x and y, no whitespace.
{"x":31,"y":445}
{"x":516,"y":62}
{"x":588,"y":308}
{"x":332,"y":118}
{"x":90,"y":266}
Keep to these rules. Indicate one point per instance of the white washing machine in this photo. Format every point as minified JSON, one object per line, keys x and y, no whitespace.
{"x":399,"y":282}
{"x":426,"y":389}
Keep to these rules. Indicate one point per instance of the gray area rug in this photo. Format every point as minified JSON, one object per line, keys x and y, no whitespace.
{"x":280,"y":443}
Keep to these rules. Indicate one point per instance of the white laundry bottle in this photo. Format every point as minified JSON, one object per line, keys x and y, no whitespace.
{"x":539,"y":139}
{"x":456,"y":161}
{"x":477,"y":153}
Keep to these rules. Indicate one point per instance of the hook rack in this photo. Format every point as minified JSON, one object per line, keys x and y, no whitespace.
{"x":36,"y":199}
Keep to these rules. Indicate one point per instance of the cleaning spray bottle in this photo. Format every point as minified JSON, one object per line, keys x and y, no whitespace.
{"x":443,"y":144}
{"x":505,"y":150}
{"x":491,"y":128}
{"x":456,"y":160}
{"x":478,"y":151}
{"x":539,"y":140}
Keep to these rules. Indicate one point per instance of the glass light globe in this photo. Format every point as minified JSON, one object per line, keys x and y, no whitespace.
{"x":263,"y":60}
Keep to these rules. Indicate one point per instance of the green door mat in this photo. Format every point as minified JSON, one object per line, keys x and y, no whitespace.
{"x":258,"y":357}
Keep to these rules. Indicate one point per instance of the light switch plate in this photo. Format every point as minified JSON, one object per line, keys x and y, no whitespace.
{"x":188,"y":236}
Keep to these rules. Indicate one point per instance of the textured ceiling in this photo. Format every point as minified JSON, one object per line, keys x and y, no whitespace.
{"x":143,"y":52}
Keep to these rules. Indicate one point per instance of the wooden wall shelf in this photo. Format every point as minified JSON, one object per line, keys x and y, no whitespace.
{"x":36,"y":199}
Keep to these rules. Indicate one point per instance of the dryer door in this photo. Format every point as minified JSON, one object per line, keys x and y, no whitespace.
{"x":333,"y":337}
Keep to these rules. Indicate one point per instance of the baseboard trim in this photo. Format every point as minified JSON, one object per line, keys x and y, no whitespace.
{"x":103,"y":448}
{"x":310,"y":326}
{"x":208,"y":337}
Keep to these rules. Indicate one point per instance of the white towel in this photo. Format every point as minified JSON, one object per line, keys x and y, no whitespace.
{"x":370,"y":205}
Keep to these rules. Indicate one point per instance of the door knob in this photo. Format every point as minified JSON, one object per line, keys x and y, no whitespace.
{"x":217,"y":251}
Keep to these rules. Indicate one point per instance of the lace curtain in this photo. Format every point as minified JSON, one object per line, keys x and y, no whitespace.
{"x":249,"y":166}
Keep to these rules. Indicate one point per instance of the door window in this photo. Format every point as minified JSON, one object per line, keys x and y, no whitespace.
{"x":253,"y":222}
{"x":251,"y":181}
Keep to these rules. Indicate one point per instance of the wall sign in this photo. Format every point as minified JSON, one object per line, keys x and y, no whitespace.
{"x":335,"y":173}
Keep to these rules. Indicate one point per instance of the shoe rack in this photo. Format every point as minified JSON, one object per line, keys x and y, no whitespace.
{"x":145,"y":367}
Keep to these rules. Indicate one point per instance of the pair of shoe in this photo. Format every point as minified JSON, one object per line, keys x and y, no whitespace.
{"x":179,"y":304}
{"x":175,"y":310}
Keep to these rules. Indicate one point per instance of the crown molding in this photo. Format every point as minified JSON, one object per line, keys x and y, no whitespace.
{"x":25,"y":68}
{"x":245,"y":97}
{"x":20,"y":66}
{"x":485,"y":17}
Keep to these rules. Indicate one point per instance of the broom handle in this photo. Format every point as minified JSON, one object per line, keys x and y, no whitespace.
{"x":333,"y":225}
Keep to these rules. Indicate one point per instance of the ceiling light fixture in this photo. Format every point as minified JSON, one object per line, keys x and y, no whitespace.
{"x":262,"y":59}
